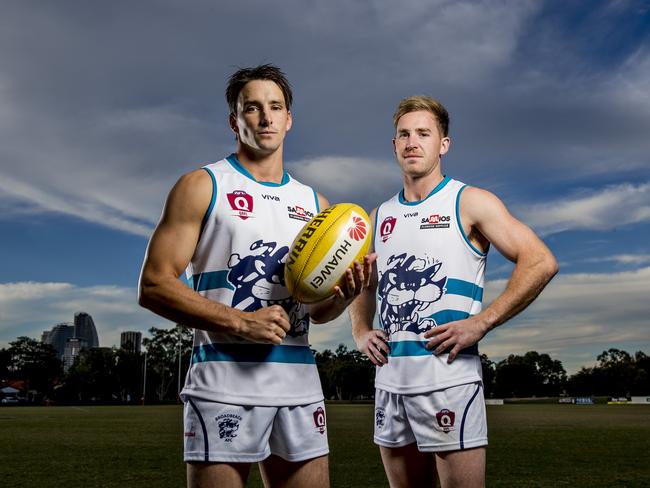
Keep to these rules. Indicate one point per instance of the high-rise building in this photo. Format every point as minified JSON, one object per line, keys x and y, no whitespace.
{"x":131,"y":341}
{"x":68,"y":339}
{"x":58,"y":336}
{"x":84,"y":330}
{"x":72,"y":348}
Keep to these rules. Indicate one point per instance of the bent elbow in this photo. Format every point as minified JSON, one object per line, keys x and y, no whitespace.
{"x":552,"y":267}
{"x":145,"y":292}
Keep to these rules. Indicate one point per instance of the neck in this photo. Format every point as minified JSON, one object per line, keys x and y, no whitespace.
{"x":266,"y":167}
{"x":417,"y":188}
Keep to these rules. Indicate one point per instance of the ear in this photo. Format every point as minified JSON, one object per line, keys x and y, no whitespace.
{"x":289,"y":120}
{"x":394,"y":147}
{"x":232,"y":121}
{"x":445,"y":142}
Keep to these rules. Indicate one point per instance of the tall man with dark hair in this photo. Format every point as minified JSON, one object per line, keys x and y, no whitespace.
{"x":431,"y":241}
{"x":252,"y":393}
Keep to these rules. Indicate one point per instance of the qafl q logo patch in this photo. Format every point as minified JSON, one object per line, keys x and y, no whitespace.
{"x":228,"y":426}
{"x":241,"y":203}
{"x":387,"y":227}
{"x":380,"y":418}
{"x":319,"y":419}
{"x":446,"y":419}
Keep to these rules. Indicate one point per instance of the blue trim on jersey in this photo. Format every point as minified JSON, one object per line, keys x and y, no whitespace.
{"x":464,"y":288}
{"x":211,"y":280}
{"x":462,"y":424}
{"x":234,"y":162}
{"x":252,"y":353}
{"x":203,"y":428}
{"x":187,"y":281}
{"x":374,"y":230}
{"x":460,"y":226}
{"x":212,"y":200}
{"x":438,"y":187}
{"x":418,"y":348}
{"x":445,"y":316}
{"x":317,"y":202}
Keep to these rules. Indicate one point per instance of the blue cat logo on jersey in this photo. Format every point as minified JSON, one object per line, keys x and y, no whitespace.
{"x":407,"y":289}
{"x":228,"y":426}
{"x":258,"y":280}
{"x":380,"y":418}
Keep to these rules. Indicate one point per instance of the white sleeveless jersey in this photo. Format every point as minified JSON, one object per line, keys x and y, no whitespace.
{"x":429,"y":274}
{"x":239,"y":261}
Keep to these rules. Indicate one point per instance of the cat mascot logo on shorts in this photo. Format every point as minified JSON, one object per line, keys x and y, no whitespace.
{"x":407,"y":289}
{"x":259,"y":282}
{"x":228,"y":426}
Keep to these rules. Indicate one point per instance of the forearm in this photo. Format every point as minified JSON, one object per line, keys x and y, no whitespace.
{"x":171,"y":299}
{"x":325,"y":311}
{"x":362,"y":313}
{"x":527,"y":281}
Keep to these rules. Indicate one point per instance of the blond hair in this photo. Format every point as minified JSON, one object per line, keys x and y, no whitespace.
{"x":423,"y":102}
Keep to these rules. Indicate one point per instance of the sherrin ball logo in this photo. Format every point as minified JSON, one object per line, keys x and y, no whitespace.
{"x":325,"y":247}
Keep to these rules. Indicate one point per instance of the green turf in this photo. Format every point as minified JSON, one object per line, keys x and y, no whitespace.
{"x":530,"y":446}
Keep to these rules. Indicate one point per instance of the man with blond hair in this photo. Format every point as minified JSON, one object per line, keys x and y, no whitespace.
{"x":431,"y":242}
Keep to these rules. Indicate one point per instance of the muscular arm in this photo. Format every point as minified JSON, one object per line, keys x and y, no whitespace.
{"x":356,"y":280}
{"x":371,"y":342}
{"x":486,"y":219}
{"x":170,"y":249}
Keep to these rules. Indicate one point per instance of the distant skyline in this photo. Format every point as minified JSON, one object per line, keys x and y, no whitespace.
{"x":103,"y":106}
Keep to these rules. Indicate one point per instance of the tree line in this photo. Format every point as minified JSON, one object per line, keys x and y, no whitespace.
{"x":112,"y":375}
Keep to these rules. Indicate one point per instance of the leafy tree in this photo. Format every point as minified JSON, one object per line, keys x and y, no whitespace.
{"x":129,"y":370}
{"x":35,"y":363}
{"x":93,"y":376}
{"x":617,"y":369}
{"x":641,"y":381}
{"x":163,"y":359}
{"x":532,"y":374}
{"x":489,"y":372}
{"x":616,"y":373}
{"x":5,"y":363}
{"x":345,"y":374}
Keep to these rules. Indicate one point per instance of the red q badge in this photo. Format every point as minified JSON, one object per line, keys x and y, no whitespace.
{"x":319,"y":419}
{"x":386,"y":228}
{"x":446,"y":419}
{"x":242,"y":203}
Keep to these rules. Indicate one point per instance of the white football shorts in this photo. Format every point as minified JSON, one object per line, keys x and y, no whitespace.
{"x":445,"y":420}
{"x":220,"y":432}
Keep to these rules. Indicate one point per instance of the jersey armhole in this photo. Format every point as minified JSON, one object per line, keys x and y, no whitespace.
{"x":374,"y":229}
{"x":462,"y":231}
{"x":213,"y":200}
{"x":316,"y":198}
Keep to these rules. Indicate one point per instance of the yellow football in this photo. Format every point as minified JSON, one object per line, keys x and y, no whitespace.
{"x":325,"y":247}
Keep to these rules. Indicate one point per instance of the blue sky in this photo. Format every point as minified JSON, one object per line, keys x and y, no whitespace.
{"x":103,"y":106}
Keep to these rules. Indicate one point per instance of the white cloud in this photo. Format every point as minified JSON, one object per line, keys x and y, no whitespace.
{"x":608,"y":208}
{"x":90,"y":210}
{"x":576,"y":317}
{"x":29,"y":308}
{"x":580,"y":313}
{"x":350,"y":179}
{"x":631,"y":259}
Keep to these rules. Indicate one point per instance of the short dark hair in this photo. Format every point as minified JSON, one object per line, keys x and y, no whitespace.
{"x":263,"y":72}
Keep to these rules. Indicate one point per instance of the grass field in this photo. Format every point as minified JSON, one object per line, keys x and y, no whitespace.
{"x":530,"y":446}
